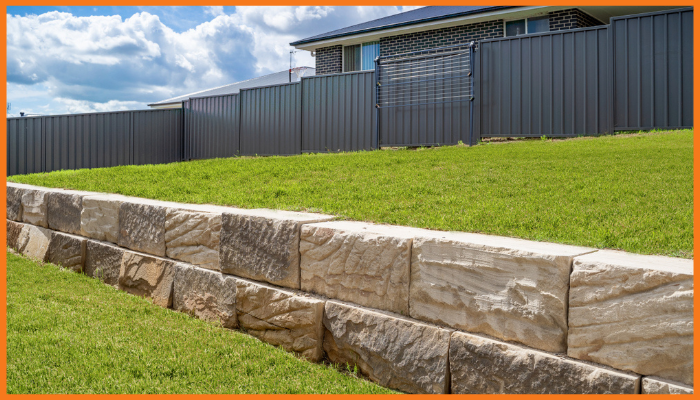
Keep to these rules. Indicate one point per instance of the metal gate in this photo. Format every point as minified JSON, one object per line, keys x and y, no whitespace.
{"x":425,"y":98}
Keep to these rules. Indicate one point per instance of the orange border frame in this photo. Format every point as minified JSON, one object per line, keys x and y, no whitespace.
{"x":3,"y":133}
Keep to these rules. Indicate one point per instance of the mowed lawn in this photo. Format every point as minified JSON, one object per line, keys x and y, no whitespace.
{"x":68,"y":333}
{"x":632,"y":191}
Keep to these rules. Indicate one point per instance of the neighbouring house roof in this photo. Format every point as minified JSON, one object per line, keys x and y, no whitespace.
{"x":233,"y":88}
{"x":419,"y":15}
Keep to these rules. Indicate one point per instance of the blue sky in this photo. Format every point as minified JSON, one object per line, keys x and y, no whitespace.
{"x":83,"y":59}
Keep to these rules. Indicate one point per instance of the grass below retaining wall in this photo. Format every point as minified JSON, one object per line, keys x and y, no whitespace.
{"x":629,"y":192}
{"x":68,"y":333}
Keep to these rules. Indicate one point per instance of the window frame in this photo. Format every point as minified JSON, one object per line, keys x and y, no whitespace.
{"x":342,"y":58}
{"x":523,"y":19}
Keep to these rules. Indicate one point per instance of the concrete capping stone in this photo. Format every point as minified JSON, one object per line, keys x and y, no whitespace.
{"x":263,"y":244}
{"x":142,"y":227}
{"x":511,"y":289}
{"x":480,"y":365}
{"x":633,"y":312}
{"x":205,"y":294}
{"x":103,"y":261}
{"x":282,"y":317}
{"x":392,"y":350}
{"x":67,"y":251}
{"x":147,"y":276}
{"x":366,"y":264}
{"x":656,"y":385}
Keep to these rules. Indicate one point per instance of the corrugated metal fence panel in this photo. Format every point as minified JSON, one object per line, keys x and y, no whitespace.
{"x":157,"y":136}
{"x":212,"y":126}
{"x":24,"y":145}
{"x":271,"y":120}
{"x":653,"y":66}
{"x":554,"y":84}
{"x":338,"y":112}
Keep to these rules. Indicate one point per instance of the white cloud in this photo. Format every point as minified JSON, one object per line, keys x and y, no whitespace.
{"x":214,"y":10}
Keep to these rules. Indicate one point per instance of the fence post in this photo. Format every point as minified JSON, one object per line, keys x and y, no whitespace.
{"x":376,"y":98}
{"x":471,"y":99}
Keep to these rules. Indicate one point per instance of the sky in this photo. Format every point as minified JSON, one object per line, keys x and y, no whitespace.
{"x":64,"y":60}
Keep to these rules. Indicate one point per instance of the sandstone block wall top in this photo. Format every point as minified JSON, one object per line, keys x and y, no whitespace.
{"x":67,"y":251}
{"x":34,"y":207}
{"x":653,"y":385}
{"x":147,"y":276}
{"x":99,"y":218}
{"x":511,"y":289}
{"x":263,"y":245}
{"x":63,"y":210}
{"x":353,"y":261}
{"x":291,"y":319}
{"x":13,"y":231}
{"x":142,"y":228}
{"x":14,"y":202}
{"x":33,"y":242}
{"x":103,"y":261}
{"x":481,"y":365}
{"x":391,"y":350}
{"x":205,"y":294}
{"x":193,"y":237}
{"x":633,"y":313}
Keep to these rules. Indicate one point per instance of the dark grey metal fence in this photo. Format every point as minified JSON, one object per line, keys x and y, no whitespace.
{"x":271,"y":120}
{"x":56,"y":142}
{"x":653,"y":67}
{"x":554,"y":84}
{"x":338,"y":112}
{"x":212,"y":127}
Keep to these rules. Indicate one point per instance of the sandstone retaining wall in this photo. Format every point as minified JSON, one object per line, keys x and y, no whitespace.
{"x":415,"y":310}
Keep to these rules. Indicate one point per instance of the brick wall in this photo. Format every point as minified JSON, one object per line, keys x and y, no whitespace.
{"x":329,"y":60}
{"x":571,"y":19}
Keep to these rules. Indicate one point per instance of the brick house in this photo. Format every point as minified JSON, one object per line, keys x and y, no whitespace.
{"x":355,"y":47}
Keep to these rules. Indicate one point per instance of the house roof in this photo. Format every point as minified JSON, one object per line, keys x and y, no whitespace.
{"x":233,"y":88}
{"x":419,"y":15}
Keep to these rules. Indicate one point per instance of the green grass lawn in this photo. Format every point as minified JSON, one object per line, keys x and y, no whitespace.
{"x":629,"y":192}
{"x":68,"y":333}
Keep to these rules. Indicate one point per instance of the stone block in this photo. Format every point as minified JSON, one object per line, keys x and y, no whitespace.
{"x":147,"y":276}
{"x":33,"y":242}
{"x":99,"y":218}
{"x":362,"y":263}
{"x":63,"y":210}
{"x":205,"y":294}
{"x":511,"y":289}
{"x":13,"y":231}
{"x":193,"y":237}
{"x":142,"y":227}
{"x":34,"y":209}
{"x":484,"y":366}
{"x":287,"y":318}
{"x":394,"y":351}
{"x":654,"y":385}
{"x":103,"y":261}
{"x":67,"y":251}
{"x":263,"y":244}
{"x":14,"y":202}
{"x":633,"y":312}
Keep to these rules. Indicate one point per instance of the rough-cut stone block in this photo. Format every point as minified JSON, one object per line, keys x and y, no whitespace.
{"x":263,"y":245}
{"x":634,"y":313}
{"x":481,"y":365}
{"x":33,"y":242}
{"x":654,"y":385}
{"x":193,"y":237}
{"x":205,"y":294}
{"x":67,"y":251}
{"x":147,"y":276}
{"x":511,"y":289}
{"x":63,"y":210}
{"x":391,"y":350}
{"x":103,"y":261}
{"x":291,"y":319}
{"x":142,"y":227}
{"x":14,"y":202}
{"x":353,"y":261}
{"x":13,"y":231}
{"x":99,"y":218}
{"x":34,"y":207}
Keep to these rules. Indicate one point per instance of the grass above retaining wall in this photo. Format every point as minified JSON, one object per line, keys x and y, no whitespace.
{"x":628,"y":192}
{"x":68,"y":333}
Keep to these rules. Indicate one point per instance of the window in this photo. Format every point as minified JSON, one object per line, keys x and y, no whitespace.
{"x":527,"y":25}
{"x":360,"y":57}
